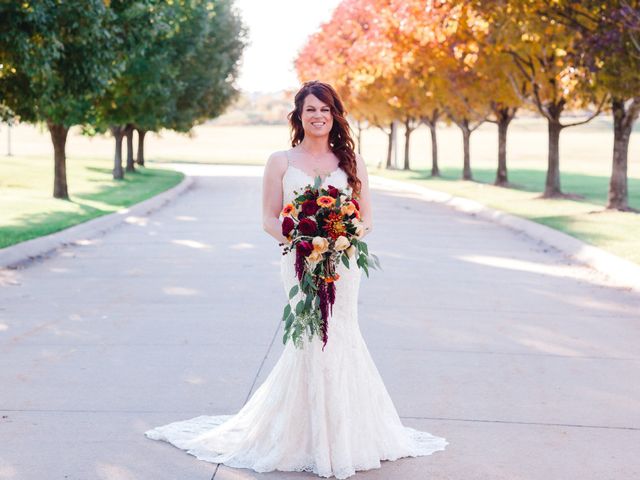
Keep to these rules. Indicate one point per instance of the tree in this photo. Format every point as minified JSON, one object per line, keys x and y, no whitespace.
{"x":467,"y":102}
{"x":421,"y":55}
{"x":181,"y":60}
{"x":142,"y":26}
{"x":344,"y":52}
{"x":494,"y":79}
{"x":59,"y":60}
{"x":27,"y":50}
{"x":610,"y":52}
{"x":541,"y":49}
{"x":205,"y":54}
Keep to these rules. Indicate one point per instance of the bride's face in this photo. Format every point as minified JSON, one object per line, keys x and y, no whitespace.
{"x":317,"y":119}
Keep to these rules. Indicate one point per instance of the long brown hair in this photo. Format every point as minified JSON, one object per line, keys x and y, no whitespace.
{"x":340,"y":140}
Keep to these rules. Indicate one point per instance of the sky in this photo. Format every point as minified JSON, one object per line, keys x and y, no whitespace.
{"x":278,"y":29}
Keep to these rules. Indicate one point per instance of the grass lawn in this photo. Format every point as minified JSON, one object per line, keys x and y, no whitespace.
{"x":28,"y":209}
{"x":617,"y":232}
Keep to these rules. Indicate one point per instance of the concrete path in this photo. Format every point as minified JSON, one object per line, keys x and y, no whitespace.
{"x":528,"y":365}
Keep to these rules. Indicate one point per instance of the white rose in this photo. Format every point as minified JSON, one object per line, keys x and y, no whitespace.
{"x":314,"y":256}
{"x":360,"y":230}
{"x":342,"y":242}
{"x":320,"y":244}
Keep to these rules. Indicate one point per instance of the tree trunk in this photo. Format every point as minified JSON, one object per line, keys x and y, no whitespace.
{"x":407,"y":138}
{"x":141,"y":134}
{"x":435,"y":170}
{"x":622,"y":126}
{"x":59,"y":139}
{"x":390,"y":146}
{"x":504,"y":118}
{"x":466,"y":137}
{"x":552,"y":183}
{"x":432,"y":123}
{"x":118,"y":133}
{"x":128,"y":132}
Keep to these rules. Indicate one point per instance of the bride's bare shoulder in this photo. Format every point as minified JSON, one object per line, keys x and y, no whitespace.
{"x":276,"y":164}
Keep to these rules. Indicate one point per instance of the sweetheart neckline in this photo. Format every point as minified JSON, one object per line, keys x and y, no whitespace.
{"x":305,"y":173}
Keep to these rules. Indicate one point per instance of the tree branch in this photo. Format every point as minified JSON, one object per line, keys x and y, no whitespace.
{"x":605,"y":97}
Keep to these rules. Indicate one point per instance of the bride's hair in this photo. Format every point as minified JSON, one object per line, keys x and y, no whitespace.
{"x":340,"y":140}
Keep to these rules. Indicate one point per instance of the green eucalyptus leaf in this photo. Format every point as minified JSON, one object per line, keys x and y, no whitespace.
{"x":307,"y":281}
{"x":308,"y":301}
{"x":287,"y":311}
{"x":376,"y":259}
{"x":289,"y":321}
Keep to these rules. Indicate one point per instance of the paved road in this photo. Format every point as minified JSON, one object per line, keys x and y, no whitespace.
{"x":527,"y":364}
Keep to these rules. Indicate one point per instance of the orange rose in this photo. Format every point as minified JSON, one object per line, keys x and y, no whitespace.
{"x":347,"y":208}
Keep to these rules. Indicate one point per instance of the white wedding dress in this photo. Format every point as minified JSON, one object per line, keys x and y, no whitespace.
{"x":326,"y":412}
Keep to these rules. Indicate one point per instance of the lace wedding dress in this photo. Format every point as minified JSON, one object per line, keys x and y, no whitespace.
{"x":326,"y":412}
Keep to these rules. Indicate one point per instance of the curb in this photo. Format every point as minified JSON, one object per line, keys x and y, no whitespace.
{"x":621,"y":272}
{"x":22,"y":253}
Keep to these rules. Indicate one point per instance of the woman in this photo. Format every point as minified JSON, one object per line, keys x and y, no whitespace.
{"x":323,"y":411}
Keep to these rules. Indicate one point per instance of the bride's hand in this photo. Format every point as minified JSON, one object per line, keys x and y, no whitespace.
{"x":285,"y":241}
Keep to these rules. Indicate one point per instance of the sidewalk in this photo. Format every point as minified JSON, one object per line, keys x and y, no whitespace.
{"x":527,"y":364}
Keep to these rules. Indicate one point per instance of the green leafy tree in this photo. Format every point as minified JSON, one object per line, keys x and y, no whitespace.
{"x":27,"y":50}
{"x":204,"y":56}
{"x":143,"y":88}
{"x":181,"y":64}
{"x":59,"y":62}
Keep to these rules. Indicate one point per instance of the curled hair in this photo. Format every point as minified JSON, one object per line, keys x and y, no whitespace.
{"x":340,"y":139}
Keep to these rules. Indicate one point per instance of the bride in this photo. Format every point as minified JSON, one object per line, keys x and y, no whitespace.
{"x":321,"y":411}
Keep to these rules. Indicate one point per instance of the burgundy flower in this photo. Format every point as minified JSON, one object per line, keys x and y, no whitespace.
{"x":331,"y":291}
{"x":304,"y":247}
{"x":324,"y":312}
{"x":309,"y":207}
{"x":312,"y":194}
{"x":355,"y":202}
{"x":307,"y":227}
{"x":333,"y":191}
{"x":300,"y":256}
{"x":287,"y":226}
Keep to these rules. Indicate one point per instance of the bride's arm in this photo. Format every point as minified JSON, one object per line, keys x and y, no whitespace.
{"x":365,"y":196}
{"x":272,"y":196}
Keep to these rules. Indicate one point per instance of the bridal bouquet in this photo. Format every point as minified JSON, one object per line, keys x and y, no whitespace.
{"x":324,"y":228}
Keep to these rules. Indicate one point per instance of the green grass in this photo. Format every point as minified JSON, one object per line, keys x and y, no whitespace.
{"x":587,"y":219}
{"x":28,"y":209}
